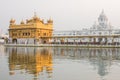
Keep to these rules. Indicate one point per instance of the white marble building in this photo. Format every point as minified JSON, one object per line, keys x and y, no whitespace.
{"x":101,"y":27}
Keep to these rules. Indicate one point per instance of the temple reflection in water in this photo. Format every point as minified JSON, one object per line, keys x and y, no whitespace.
{"x":101,"y":59}
{"x":32,"y":61}
{"x":37,"y":60}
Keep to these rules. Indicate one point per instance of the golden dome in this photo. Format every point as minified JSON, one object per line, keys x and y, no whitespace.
{"x":50,"y":21}
{"x":22,"y":22}
{"x":12,"y":21}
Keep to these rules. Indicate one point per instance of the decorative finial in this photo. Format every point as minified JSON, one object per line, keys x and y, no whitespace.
{"x":35,"y":13}
{"x":22,"y":22}
{"x":95,"y":22}
{"x":110,"y":25}
{"x":102,"y":11}
{"x":12,"y":20}
{"x":50,"y":18}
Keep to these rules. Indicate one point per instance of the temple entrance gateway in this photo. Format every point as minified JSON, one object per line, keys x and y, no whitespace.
{"x":14,"y":41}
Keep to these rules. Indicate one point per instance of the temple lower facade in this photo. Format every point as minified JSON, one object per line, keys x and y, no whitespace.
{"x":30,"y":32}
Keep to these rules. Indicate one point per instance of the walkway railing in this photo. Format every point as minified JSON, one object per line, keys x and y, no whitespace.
{"x":61,"y":45}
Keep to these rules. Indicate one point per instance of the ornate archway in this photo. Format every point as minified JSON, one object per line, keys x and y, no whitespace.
{"x":14,"y":41}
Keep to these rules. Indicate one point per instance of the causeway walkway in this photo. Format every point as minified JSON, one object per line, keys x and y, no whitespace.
{"x":61,"y":45}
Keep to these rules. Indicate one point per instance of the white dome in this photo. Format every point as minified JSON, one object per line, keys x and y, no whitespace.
{"x":102,"y":17}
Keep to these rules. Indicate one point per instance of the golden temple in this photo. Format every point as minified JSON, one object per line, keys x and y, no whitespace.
{"x":32,"y":31}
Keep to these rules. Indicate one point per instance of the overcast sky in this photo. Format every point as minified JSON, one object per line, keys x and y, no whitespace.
{"x":66,"y":14}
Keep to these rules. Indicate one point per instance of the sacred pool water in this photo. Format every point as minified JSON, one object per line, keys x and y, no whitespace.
{"x":59,"y":63}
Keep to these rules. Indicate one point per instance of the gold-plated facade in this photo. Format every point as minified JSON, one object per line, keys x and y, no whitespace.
{"x":34,"y":28}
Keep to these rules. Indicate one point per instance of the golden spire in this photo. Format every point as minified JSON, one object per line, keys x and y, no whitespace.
{"x":12,"y":21}
{"x":50,"y":20}
{"x":22,"y":22}
{"x":35,"y":15}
